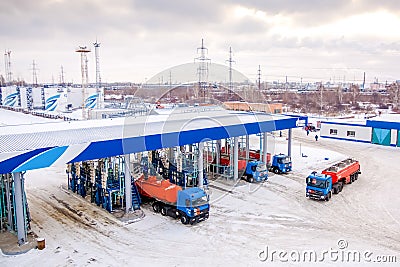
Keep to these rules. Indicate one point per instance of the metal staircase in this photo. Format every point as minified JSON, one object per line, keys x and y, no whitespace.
{"x":136,"y":201}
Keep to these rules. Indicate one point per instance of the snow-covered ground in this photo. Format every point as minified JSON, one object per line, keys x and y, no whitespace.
{"x":8,"y":117}
{"x":243,"y":224}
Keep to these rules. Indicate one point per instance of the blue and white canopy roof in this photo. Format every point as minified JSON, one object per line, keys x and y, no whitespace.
{"x":27,"y":147}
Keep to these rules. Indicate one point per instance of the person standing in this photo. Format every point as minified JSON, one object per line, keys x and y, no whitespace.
{"x":316,"y":137}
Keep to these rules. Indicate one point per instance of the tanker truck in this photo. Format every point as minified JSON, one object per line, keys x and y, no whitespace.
{"x":253,"y":171}
{"x":331,"y":180}
{"x":280,"y":163}
{"x":190,"y":205}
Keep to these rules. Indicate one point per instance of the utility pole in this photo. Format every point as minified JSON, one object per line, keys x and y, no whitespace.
{"x":259,"y":77}
{"x":396,"y":96}
{"x":96,"y":53}
{"x":83,"y":50}
{"x":363,"y":85}
{"x":321,"y":88}
{"x":286,"y":84}
{"x":170,"y":85}
{"x":98,"y":77}
{"x":7,"y":62}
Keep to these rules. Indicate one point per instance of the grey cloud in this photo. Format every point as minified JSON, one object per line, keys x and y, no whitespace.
{"x":393,"y":5}
{"x":150,"y":27}
{"x":293,"y":6}
{"x":394,"y":46}
{"x":315,"y":12}
{"x":244,"y":27}
{"x":46,"y":19}
{"x":195,"y":10}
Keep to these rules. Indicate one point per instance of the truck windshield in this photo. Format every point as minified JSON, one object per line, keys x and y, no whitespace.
{"x":316,"y":183}
{"x":261,"y":167}
{"x":284,"y":160}
{"x":200,"y":201}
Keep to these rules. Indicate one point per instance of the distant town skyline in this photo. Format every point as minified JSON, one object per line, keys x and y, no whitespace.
{"x":304,"y":40}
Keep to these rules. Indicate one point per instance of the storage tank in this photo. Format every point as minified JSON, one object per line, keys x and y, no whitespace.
{"x":11,"y":96}
{"x":38,"y":98}
{"x":94,"y":98}
{"x":74,"y":97}
{"x":26,"y":97}
{"x":162,"y":190}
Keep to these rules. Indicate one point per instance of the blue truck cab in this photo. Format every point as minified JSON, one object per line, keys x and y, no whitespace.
{"x":281,"y":163}
{"x":193,"y":205}
{"x":319,"y":186}
{"x":256,"y":171}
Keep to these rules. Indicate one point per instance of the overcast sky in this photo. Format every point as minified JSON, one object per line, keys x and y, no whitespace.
{"x":310,"y":39}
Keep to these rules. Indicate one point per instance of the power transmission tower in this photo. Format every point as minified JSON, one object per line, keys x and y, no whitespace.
{"x":230,"y":61}
{"x":62,"y":76}
{"x":202,"y":70}
{"x":34,"y":74}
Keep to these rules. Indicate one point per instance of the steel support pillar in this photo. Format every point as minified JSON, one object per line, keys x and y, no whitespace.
{"x":200,"y":165}
{"x":290,"y":142}
{"x":236,"y":158}
{"x":128,"y":184}
{"x":265,"y":145}
{"x":19,"y":207}
{"x":261,"y":147}
{"x":247,"y":148}
{"x":218,"y":152}
{"x":171,"y":154}
{"x":191,"y":152}
{"x":9,"y":200}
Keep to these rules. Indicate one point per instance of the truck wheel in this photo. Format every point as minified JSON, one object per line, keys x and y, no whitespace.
{"x":276,"y":170}
{"x":184,"y":219}
{"x":340,"y":187}
{"x":156,"y":207}
{"x":250,"y":179}
{"x":163,"y":211}
{"x":328,"y":197}
{"x":356,"y":176}
{"x":335,"y":189}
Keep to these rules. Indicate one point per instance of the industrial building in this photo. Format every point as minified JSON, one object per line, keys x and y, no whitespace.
{"x":383,"y":130}
{"x":51,"y":98}
{"x":97,"y":152}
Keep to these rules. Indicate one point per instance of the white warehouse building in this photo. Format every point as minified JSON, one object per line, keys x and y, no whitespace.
{"x":383,"y":130}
